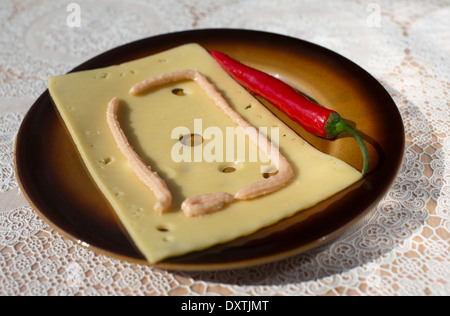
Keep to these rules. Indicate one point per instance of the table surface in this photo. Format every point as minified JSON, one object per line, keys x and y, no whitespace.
{"x":401,"y":247}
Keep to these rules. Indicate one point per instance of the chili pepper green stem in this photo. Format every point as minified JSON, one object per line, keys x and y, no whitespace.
{"x":344,"y":127}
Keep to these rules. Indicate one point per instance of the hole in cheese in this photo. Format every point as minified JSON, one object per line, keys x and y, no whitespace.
{"x":228,"y":169}
{"x":270,"y":172}
{"x":192,"y":140}
{"x":267,"y":175}
{"x":105,"y":161}
{"x":179,"y":92}
{"x":163,"y":229}
{"x":103,"y":75}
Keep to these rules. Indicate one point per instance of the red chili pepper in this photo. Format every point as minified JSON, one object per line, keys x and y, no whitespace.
{"x":313,"y":117}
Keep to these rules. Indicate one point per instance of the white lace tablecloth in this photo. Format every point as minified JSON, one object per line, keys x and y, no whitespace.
{"x":400,"y":248}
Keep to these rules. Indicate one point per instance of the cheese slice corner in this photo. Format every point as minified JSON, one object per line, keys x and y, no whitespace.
{"x":150,"y":122}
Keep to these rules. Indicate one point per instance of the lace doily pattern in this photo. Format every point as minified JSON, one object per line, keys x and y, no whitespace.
{"x":9,"y":125}
{"x":401,"y":247}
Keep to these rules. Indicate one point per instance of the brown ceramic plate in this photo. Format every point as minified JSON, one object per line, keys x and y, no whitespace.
{"x":56,"y":184}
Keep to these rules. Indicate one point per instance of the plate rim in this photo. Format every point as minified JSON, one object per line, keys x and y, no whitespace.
{"x":174,"y":265}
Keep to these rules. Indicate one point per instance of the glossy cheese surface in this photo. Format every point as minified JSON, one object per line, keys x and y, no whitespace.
{"x":154,"y":123}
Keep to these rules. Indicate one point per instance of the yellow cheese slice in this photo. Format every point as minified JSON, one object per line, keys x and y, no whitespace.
{"x":150,"y":122}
